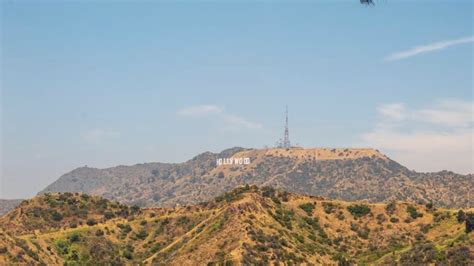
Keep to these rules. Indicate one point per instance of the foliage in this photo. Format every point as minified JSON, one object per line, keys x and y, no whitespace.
{"x":359,"y":210}
{"x":99,"y":232}
{"x":329,"y":207}
{"x":469,"y":222}
{"x":461,"y":216}
{"x":74,"y":237}
{"x":413,"y":212}
{"x":390,"y":208}
{"x":307,"y":207}
{"x":91,"y":222}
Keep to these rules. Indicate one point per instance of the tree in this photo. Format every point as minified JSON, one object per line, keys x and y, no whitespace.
{"x":469,"y":222}
{"x":359,"y":210}
{"x":99,"y":232}
{"x":74,"y":237}
{"x":56,"y":216}
{"x":461,"y":217}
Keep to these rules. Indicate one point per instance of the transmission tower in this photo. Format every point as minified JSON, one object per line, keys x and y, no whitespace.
{"x":286,"y":138}
{"x":285,"y":142}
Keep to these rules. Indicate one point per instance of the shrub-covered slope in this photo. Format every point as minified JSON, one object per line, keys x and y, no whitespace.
{"x":248,"y":225}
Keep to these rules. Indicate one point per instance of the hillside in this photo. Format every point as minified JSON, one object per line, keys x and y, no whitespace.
{"x":346,"y":174}
{"x":248,"y":225}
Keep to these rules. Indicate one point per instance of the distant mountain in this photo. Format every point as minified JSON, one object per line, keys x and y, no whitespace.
{"x":247,"y":226}
{"x":346,"y":174}
{"x":7,"y":205}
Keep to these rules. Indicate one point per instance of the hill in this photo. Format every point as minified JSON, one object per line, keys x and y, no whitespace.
{"x":346,"y":174}
{"x":248,"y":225}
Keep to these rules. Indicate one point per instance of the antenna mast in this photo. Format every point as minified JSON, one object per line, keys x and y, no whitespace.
{"x":286,"y":138}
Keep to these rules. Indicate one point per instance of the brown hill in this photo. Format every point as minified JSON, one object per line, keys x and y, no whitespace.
{"x":247,"y":226}
{"x":347,"y":174}
{"x":64,"y":210}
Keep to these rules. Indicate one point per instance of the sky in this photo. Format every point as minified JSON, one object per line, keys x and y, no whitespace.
{"x":104,"y":83}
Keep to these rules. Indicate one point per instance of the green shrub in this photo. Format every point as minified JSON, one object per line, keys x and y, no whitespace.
{"x":461,"y":216}
{"x":329,"y":207}
{"x":108,"y":215}
{"x":390,"y":208}
{"x":359,"y":210}
{"x":307,"y":207}
{"x":299,"y":238}
{"x":413,"y":212}
{"x":74,"y":237}
{"x":142,"y":234}
{"x":469,"y":222}
{"x":56,"y":216}
{"x":124,"y":228}
{"x":3,"y":250}
{"x":99,"y":232}
{"x":127,"y":254}
{"x":91,"y":222}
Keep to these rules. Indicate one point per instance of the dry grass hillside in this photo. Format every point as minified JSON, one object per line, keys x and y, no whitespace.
{"x":248,"y":225}
{"x":345,"y":174}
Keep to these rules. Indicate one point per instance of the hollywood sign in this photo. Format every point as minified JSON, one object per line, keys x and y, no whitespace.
{"x":232,"y":161}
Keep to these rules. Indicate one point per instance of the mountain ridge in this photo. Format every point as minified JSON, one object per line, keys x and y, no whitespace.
{"x":347,"y":174}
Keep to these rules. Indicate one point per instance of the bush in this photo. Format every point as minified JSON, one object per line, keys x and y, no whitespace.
{"x":135,"y":208}
{"x":56,"y":216}
{"x":469,"y":222}
{"x":108,"y":215}
{"x":390,"y":208}
{"x":461,"y":217}
{"x":328,"y":207}
{"x":299,"y":238}
{"x":340,"y":216}
{"x":99,"y":232}
{"x":3,"y":250}
{"x":142,"y":234}
{"x":359,"y":210}
{"x":413,"y":212}
{"x":429,"y":205}
{"x":124,"y":228}
{"x":127,"y":254}
{"x":91,"y":222}
{"x":74,"y":237}
{"x":394,"y":220}
{"x":307,"y":207}
{"x":380,"y":218}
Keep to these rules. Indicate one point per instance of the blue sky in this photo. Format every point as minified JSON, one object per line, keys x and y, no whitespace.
{"x":102,"y":83}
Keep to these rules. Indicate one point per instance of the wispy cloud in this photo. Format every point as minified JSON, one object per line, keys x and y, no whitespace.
{"x":231,"y":121}
{"x":432,"y":138}
{"x":200,"y":110}
{"x":422,"y":49}
{"x":98,"y":135}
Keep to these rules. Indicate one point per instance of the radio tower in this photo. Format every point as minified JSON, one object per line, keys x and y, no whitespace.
{"x":285,"y":142}
{"x":286,"y":137}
